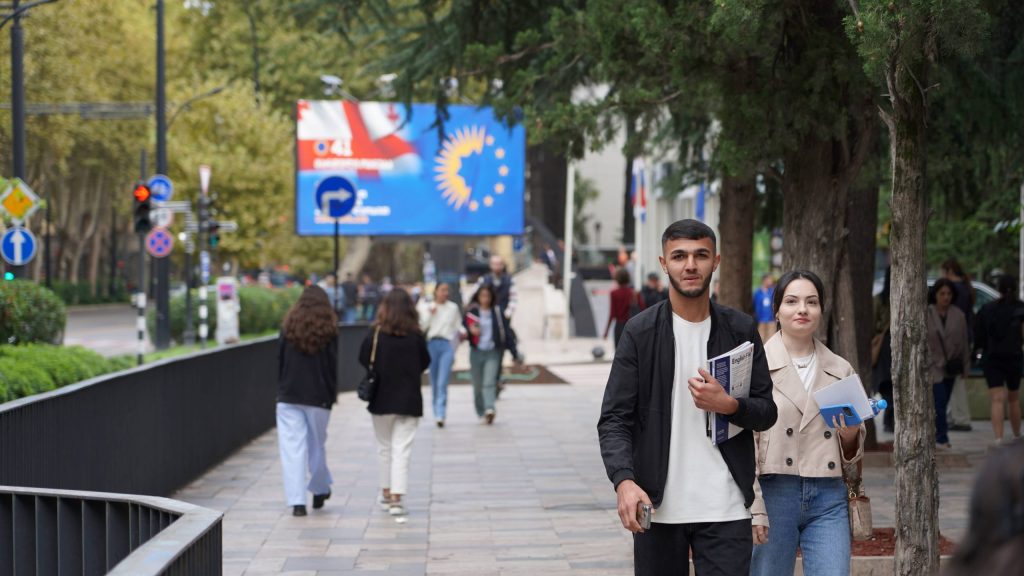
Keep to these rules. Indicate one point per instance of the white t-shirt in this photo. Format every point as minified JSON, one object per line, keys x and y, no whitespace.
{"x":806,"y":367}
{"x":699,"y":486}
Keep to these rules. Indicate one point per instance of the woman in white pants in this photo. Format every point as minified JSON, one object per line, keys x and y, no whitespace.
{"x":398,"y":351}
{"x":307,"y":387}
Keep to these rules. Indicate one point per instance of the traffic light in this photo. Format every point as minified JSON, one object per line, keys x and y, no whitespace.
{"x":8,"y":275}
{"x":213,"y":233}
{"x":141,"y":206}
{"x":205,"y":202}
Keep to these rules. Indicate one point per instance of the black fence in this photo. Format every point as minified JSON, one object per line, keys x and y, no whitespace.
{"x":350,"y":338}
{"x":150,"y":430}
{"x":91,"y":533}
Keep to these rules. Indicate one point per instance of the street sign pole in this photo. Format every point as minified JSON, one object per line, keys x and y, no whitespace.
{"x":337,"y":264}
{"x":162,"y":265}
{"x":140,"y":293}
{"x":17,"y":106}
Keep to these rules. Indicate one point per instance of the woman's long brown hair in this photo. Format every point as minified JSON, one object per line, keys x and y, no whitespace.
{"x":311,"y":323}
{"x":397,"y":314}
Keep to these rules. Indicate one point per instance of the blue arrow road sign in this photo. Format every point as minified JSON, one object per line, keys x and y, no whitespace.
{"x":161,"y":187}
{"x":18,"y":246}
{"x":336,"y":196}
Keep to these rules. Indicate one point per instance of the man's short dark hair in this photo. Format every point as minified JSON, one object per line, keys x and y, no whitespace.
{"x":652,"y":276}
{"x":689,"y":229}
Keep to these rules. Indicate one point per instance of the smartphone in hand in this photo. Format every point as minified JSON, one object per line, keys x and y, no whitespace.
{"x":643,"y":515}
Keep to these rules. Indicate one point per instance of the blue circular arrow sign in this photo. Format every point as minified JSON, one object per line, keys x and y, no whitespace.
{"x":335,"y":196}
{"x":18,"y":246}
{"x":161,"y":187}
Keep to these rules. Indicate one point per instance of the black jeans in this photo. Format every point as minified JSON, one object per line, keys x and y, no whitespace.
{"x":719,"y":549}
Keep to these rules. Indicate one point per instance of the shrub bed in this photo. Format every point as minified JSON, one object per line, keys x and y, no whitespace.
{"x":30,"y":313}
{"x":262,"y":310}
{"x":35,"y":368}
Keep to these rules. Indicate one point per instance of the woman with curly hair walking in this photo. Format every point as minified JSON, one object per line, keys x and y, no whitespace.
{"x":307,"y":387}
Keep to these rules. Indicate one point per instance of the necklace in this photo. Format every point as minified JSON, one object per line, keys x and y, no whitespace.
{"x":803,"y":365}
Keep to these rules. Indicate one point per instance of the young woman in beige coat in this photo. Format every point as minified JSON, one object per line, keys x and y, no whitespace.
{"x":799,"y":487}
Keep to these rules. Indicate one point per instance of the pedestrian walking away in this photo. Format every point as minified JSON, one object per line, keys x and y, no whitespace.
{"x":949,"y":352}
{"x":399,"y":356}
{"x":489,"y":336}
{"x":652,"y":428}
{"x":307,"y":387}
{"x":624,"y":303}
{"x":799,"y":490}
{"x":441,"y":322}
{"x":998,"y":335}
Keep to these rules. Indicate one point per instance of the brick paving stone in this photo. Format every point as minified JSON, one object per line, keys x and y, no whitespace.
{"x":527,"y":495}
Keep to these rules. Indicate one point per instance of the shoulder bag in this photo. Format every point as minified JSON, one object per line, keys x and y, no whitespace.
{"x":953,"y":367}
{"x":858,"y":503}
{"x":368,"y":385}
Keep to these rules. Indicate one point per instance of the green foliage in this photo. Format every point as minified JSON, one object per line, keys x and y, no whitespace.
{"x":36,"y":368}
{"x":262,"y":310}
{"x":29,"y":313}
{"x":78,"y":293}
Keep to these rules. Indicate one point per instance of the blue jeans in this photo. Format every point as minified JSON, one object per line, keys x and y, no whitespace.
{"x":442,"y":354}
{"x":809,"y":513}
{"x":484,"y":366}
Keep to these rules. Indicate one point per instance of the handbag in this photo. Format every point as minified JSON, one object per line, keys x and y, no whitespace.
{"x":368,"y":385}
{"x":858,"y":504}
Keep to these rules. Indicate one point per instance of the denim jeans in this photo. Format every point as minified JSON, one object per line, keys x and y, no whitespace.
{"x":484,"y":366}
{"x":442,"y":354}
{"x":940,"y":392}
{"x":301,"y":434}
{"x":809,"y":513}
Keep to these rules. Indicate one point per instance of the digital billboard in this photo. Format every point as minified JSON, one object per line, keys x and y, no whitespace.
{"x":409,"y":180}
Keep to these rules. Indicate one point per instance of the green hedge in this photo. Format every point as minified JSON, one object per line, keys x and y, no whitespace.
{"x":35,"y":368}
{"x":262,"y":310}
{"x":30,"y":313}
{"x":76,"y":293}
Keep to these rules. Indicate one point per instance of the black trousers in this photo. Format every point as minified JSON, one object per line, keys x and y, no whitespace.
{"x":719,"y":549}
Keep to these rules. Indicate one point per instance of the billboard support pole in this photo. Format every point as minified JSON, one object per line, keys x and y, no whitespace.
{"x":337,"y":274}
{"x":570,"y":192}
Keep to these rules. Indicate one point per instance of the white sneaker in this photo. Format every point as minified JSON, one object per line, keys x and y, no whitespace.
{"x":384,"y":503}
{"x":396,"y":509}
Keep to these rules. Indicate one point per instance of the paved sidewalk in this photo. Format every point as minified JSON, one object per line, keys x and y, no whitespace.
{"x":527,"y":495}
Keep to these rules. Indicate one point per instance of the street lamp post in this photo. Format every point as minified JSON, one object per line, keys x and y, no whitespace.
{"x":18,"y":105}
{"x":161,"y":265}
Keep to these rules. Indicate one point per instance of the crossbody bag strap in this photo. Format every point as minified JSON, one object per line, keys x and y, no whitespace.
{"x":942,"y":340}
{"x":373,"y":352}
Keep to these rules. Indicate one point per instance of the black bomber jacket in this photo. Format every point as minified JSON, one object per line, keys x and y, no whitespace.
{"x":636,"y":416}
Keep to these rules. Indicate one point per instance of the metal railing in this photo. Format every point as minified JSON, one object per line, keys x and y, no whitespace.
{"x":44,"y":532}
{"x":149,"y":430}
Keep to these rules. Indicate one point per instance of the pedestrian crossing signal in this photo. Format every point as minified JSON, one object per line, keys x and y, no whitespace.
{"x":141,"y":207}
{"x":8,"y":275}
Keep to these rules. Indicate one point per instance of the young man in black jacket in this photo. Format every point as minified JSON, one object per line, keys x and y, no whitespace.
{"x":652,"y":428}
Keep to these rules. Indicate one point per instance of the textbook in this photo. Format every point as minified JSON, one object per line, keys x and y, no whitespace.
{"x":732,"y":370}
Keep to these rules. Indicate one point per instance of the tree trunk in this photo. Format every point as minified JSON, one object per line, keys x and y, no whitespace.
{"x":736,"y":241}
{"x":917,"y":488}
{"x":814,"y":235}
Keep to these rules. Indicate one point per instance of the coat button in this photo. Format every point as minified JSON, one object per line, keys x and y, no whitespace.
{"x":789,"y":461}
{"x":831,"y":465}
{"x":827,"y":434}
{"x":789,"y":431}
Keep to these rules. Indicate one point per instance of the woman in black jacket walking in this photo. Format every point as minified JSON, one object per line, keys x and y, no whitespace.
{"x":307,"y":387}
{"x":396,"y":348}
{"x":998,"y":334}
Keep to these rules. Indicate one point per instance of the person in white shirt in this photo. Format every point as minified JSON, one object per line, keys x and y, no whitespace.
{"x":441,"y":322}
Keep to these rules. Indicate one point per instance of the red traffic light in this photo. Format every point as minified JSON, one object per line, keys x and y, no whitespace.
{"x":141,"y":193}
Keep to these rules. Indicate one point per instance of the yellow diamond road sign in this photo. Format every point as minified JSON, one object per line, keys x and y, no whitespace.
{"x":18,"y":200}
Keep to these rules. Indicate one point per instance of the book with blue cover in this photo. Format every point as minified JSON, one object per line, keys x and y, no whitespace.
{"x":732,"y":370}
